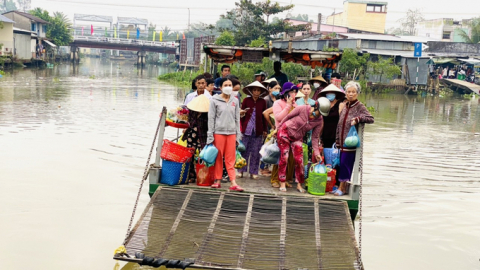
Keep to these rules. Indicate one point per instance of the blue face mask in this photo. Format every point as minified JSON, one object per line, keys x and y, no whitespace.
{"x":275,"y":93}
{"x":331,"y":96}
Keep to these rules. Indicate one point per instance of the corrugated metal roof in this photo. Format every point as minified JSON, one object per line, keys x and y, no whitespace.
{"x":132,"y":20}
{"x":30,"y":16}
{"x":371,"y":37}
{"x":406,"y":54}
{"x":418,"y":39}
{"x":5,"y":19}
{"x":367,"y":2}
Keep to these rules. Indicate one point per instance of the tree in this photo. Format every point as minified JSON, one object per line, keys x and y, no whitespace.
{"x":352,"y":62}
{"x":251,"y":21}
{"x":8,"y":5}
{"x":259,"y":42}
{"x":409,"y":22}
{"x":226,"y":38}
{"x":58,"y":29}
{"x":474,"y":36}
{"x":384,"y":66}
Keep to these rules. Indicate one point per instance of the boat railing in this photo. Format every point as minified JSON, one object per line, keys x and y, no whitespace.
{"x":356,"y":174}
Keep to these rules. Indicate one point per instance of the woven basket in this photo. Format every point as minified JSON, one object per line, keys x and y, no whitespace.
{"x":174,"y":173}
{"x":174,"y":152}
{"x":317,"y":182}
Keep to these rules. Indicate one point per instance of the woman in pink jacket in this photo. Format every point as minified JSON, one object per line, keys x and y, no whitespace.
{"x":281,"y":108}
{"x":290,"y":135}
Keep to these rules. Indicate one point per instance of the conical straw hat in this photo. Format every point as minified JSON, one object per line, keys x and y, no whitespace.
{"x":332,"y":88}
{"x":199,"y":104}
{"x":267,"y":82}
{"x":248,"y":89}
{"x":299,"y":95}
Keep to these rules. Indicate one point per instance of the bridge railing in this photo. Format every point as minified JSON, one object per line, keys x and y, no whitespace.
{"x":110,"y":40}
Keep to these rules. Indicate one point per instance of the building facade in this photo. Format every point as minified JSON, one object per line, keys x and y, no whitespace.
{"x":444,"y":29}
{"x":28,"y":22}
{"x":6,"y":36}
{"x":368,"y":16}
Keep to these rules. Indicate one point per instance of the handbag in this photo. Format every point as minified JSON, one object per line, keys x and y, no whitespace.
{"x":241,"y":147}
{"x":331,"y":154}
{"x":174,"y":173}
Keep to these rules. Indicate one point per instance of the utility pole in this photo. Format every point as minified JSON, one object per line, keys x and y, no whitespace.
{"x":189,"y":19}
{"x":319,"y":22}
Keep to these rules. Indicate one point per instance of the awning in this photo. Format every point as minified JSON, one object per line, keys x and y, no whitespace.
{"x":50,"y":43}
{"x":439,"y":61}
{"x":470,"y":61}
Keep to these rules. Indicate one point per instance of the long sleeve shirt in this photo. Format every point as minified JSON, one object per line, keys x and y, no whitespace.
{"x":352,"y":110}
{"x":223,"y":117}
{"x":280,"y":110}
{"x":298,"y":123}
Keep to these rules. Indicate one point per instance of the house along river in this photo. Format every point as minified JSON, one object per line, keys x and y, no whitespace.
{"x":74,"y":143}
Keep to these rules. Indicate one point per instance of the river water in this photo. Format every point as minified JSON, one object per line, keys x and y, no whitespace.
{"x":74,"y":143}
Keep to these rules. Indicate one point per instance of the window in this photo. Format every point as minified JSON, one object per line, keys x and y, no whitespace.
{"x":376,"y":8}
{"x":34,"y":27}
{"x":44,"y":29}
{"x":446,"y":35}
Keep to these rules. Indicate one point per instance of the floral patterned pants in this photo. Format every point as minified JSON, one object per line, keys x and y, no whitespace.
{"x":284,"y":143}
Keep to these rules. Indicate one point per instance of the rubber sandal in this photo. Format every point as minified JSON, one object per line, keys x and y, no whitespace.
{"x":288,"y":185}
{"x":216,"y":185}
{"x":338,"y":193}
{"x":236,"y":188}
{"x":282,"y":189}
{"x":335,"y":188}
{"x":239,"y":175}
{"x":254,"y":177}
{"x":275,"y":185}
{"x":301,"y":190}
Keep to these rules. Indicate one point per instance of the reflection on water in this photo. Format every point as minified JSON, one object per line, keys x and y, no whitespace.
{"x":74,"y":142}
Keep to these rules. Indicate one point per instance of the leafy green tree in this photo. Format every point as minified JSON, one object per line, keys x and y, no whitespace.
{"x":474,"y":36}
{"x":251,"y":20}
{"x":8,"y":5}
{"x":226,"y":38}
{"x":351,"y":61}
{"x":58,"y":29}
{"x":383,"y":67}
{"x":259,"y":42}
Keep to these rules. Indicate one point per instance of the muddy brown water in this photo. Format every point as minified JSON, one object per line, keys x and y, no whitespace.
{"x":74,"y":144}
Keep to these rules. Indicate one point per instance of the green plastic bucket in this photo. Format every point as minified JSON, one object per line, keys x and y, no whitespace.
{"x":461,"y":76}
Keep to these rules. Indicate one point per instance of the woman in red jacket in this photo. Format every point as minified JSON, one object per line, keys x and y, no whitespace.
{"x":253,"y":126}
{"x":290,"y":135}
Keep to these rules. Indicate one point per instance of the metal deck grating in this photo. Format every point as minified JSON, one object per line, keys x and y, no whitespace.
{"x":226,"y":230}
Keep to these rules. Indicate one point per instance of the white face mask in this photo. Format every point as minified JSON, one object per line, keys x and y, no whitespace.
{"x":316,"y":85}
{"x":227,"y":90}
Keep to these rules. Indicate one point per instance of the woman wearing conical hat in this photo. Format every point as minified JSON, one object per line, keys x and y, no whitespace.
{"x":196,"y":134}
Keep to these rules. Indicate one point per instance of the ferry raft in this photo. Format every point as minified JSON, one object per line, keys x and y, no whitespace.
{"x":193,"y":227}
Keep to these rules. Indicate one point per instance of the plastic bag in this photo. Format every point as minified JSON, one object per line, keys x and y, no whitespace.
{"x":240,"y":162}
{"x":241,"y":147}
{"x":319,"y":168}
{"x":182,"y":142}
{"x":331,"y":154}
{"x":305,"y":154}
{"x":209,"y":155}
{"x":352,"y":140}
{"x":272,"y":154}
{"x":265,"y":145}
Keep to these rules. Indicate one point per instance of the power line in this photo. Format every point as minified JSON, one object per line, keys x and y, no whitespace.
{"x":135,"y":6}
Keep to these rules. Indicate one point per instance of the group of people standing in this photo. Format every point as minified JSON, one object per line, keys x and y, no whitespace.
{"x":276,"y":108}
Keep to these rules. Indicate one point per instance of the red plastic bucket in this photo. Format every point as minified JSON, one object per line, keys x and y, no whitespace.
{"x":205,"y":175}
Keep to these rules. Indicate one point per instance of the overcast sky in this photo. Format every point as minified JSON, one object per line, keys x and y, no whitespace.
{"x":174,"y":14}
